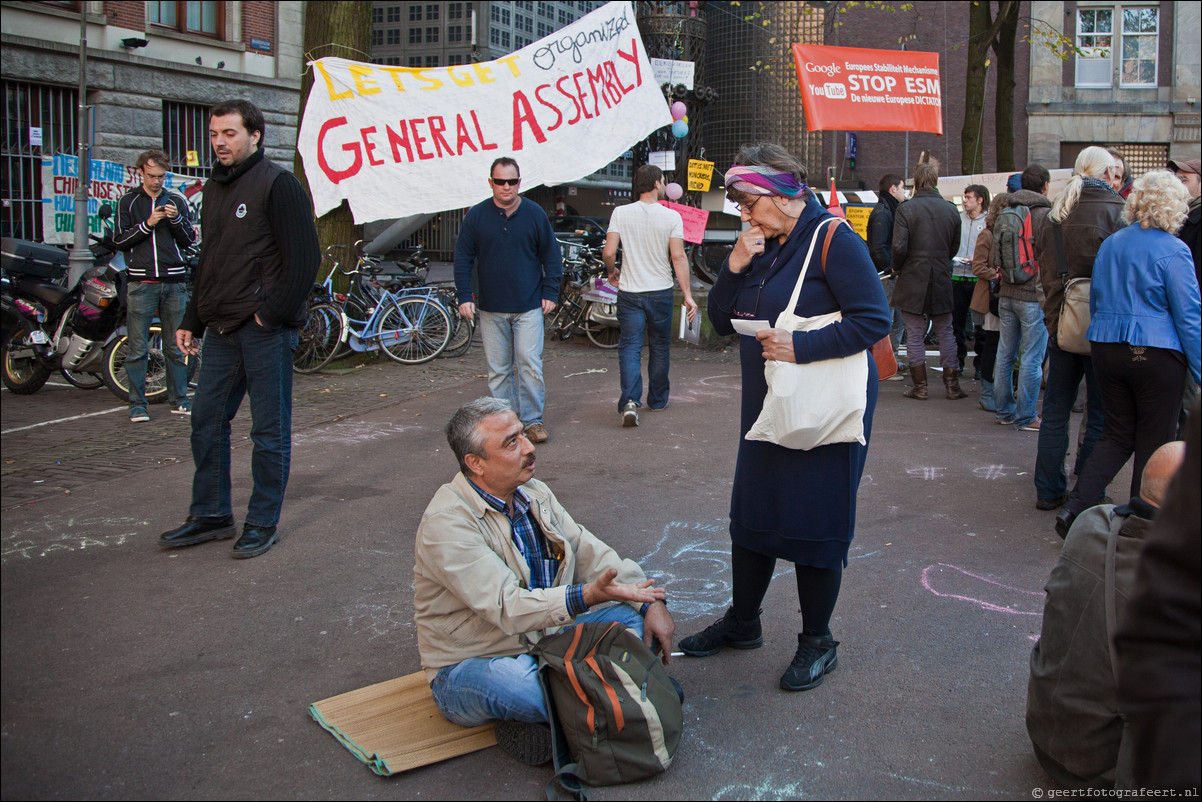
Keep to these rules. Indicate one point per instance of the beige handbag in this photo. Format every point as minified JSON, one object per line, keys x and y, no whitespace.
{"x":1073,"y":325}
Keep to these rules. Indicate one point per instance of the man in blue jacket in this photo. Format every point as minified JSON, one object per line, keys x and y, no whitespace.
{"x":154,"y":227}
{"x":509,"y":245}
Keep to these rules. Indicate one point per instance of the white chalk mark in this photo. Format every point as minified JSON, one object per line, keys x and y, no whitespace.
{"x":993,"y":471}
{"x":65,"y":420}
{"x":46,"y":537}
{"x":586,"y":372}
{"x":937,"y":571}
{"x":350,"y":431}
{"x":927,"y":472}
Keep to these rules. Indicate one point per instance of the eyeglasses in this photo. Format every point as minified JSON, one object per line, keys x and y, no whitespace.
{"x":513,"y":182}
{"x":741,"y":208}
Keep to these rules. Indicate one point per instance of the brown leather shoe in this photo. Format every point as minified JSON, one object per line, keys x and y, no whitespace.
{"x":919,"y":391}
{"x":537,"y":433}
{"x":951,"y":381}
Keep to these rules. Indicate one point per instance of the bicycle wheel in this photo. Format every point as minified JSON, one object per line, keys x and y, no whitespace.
{"x":156,"y":367}
{"x":599,"y":334}
{"x":82,"y":379}
{"x":462,"y":333}
{"x":414,"y":330}
{"x":319,"y":339}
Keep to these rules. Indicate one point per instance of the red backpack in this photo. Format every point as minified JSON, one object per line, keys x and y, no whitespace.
{"x":1014,"y":245}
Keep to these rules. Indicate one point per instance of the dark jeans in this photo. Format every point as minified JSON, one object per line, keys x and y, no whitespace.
{"x":649,"y":312}
{"x":1141,"y":390}
{"x":143,"y":299}
{"x":250,"y":361}
{"x":961,"y":298}
{"x":1065,"y":371}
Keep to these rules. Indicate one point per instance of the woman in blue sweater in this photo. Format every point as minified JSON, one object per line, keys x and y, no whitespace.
{"x":1144,"y":332}
{"x":794,"y":505}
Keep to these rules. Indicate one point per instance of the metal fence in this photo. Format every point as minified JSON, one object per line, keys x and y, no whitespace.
{"x":31,"y":112}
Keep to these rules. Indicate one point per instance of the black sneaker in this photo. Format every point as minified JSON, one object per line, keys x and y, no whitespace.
{"x":815,"y":659}
{"x":1050,"y":503}
{"x":727,"y":631}
{"x":527,"y":742}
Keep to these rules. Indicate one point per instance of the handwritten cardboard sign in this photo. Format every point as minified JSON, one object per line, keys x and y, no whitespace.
{"x":700,"y":175}
{"x":694,"y":220}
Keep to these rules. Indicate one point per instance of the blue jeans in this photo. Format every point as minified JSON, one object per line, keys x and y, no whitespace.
{"x":143,"y":298}
{"x":1065,"y":371}
{"x":484,"y":689}
{"x":513,"y":349}
{"x":249,"y":361}
{"x":1022,"y":328}
{"x":639,"y":312}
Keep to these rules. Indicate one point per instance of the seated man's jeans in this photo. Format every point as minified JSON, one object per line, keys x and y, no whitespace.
{"x":484,"y":689}
{"x":143,"y":298}
{"x":640,"y":312}
{"x":248,"y":361}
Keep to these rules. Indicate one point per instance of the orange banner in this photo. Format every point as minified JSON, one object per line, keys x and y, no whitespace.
{"x":855,"y":89}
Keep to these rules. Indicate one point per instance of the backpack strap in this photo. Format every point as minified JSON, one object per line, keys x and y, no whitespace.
{"x":826,"y":243}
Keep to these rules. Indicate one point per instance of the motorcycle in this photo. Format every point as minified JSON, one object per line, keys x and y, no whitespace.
{"x":586,"y":299}
{"x":54,"y":319}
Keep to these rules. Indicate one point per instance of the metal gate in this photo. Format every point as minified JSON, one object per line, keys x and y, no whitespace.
{"x":31,"y":109}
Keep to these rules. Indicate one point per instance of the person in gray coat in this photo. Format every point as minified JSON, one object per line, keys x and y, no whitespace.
{"x":926,"y":235}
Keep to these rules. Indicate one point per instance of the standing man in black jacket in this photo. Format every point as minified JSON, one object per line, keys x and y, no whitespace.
{"x":926,"y":234}
{"x":890,"y":191}
{"x":154,"y":225}
{"x":257,"y":264}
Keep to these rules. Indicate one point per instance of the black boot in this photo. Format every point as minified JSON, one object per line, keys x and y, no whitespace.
{"x":727,"y":631}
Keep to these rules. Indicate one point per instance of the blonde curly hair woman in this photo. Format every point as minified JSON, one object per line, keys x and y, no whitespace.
{"x":1145,"y":331}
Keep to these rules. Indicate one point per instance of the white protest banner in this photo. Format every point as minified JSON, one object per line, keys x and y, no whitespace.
{"x":396,"y":141}
{"x":670,"y":71}
{"x":109,"y":181}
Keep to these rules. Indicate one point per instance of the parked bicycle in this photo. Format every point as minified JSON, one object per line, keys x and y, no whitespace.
{"x":586,"y":299}
{"x":410,"y":326}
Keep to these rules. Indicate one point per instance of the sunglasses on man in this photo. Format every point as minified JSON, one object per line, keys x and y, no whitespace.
{"x":513,"y":182}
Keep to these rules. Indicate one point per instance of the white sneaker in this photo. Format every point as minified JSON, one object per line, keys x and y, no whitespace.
{"x":630,"y":414}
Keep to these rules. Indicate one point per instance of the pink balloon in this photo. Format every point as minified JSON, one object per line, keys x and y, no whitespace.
{"x":673,"y":191}
{"x":679,"y":110}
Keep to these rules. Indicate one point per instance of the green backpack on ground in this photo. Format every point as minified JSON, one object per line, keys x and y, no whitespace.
{"x":615,"y":715}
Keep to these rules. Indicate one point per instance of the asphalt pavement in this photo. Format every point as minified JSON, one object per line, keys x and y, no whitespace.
{"x":130,"y":672}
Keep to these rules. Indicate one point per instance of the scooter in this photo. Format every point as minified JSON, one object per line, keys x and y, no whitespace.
{"x":53,"y":319}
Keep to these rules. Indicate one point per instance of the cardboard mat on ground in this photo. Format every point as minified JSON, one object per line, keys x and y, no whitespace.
{"x":395,"y":726}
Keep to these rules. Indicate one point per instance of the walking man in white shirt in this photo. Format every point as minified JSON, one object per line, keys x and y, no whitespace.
{"x":652,"y":240}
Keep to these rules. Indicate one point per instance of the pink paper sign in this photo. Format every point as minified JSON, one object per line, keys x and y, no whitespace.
{"x":694,"y":220}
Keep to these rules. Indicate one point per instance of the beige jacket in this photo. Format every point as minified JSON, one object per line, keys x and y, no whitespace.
{"x":471,"y":595}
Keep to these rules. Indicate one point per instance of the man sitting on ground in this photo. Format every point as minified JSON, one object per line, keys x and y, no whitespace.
{"x":1072,"y":697}
{"x":499,"y":564}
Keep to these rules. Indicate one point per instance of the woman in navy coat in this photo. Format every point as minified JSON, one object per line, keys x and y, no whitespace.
{"x":794,"y":505}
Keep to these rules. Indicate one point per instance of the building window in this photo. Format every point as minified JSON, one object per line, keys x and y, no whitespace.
{"x":415,"y":36}
{"x":200,"y":18}
{"x":394,"y":13}
{"x":185,"y":128}
{"x":415,"y":12}
{"x":394,"y":36}
{"x":454,"y":33}
{"x":377,"y":16}
{"x":415,"y":61}
{"x":1134,"y":41}
{"x":543,"y":30}
{"x":431,"y":35}
{"x":377,"y":38}
{"x":431,"y":11}
{"x":546,"y":10}
{"x":431,"y":61}
{"x":52,"y":110}
{"x":565,"y":17}
{"x":454,"y":10}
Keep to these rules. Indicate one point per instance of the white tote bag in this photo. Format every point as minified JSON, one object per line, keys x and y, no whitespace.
{"x":817,"y":403}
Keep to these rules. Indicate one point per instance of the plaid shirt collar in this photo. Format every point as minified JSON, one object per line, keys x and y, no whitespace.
{"x":526,"y":536}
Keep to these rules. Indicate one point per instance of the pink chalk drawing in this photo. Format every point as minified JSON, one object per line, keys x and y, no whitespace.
{"x":950,"y":575}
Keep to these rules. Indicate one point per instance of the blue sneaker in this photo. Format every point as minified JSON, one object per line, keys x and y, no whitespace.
{"x":138,"y":415}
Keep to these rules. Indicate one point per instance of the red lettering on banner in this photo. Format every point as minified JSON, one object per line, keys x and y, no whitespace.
{"x":633,"y":58}
{"x":483,"y":145}
{"x":524,"y":115}
{"x":369,"y":147}
{"x":401,"y":139}
{"x":613,"y":83}
{"x":437,"y":127}
{"x":594,"y":79}
{"x":350,"y":147}
{"x":462,"y":137}
{"x":418,"y":139}
{"x":580,"y":93}
{"x":558,"y":114}
{"x":568,"y":95}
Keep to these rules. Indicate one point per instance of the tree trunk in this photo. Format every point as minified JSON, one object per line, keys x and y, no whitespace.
{"x":980,"y":36}
{"x":334,"y":29}
{"x":1003,"y":48}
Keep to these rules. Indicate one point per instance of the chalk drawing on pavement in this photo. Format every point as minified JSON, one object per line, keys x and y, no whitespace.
{"x":953,"y":582}
{"x":351,"y":431}
{"x":725,"y":385}
{"x":377,"y":614}
{"x":993,"y":471}
{"x":49,"y":537}
{"x":763,"y":790}
{"x":927,"y":472}
{"x":587,"y":372}
{"x":692,"y":561}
